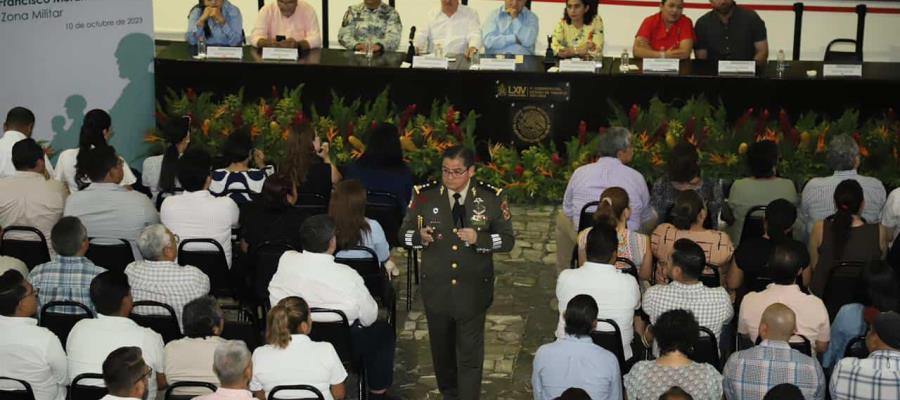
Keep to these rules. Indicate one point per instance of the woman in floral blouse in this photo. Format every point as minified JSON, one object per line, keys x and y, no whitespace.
{"x":580,"y":32}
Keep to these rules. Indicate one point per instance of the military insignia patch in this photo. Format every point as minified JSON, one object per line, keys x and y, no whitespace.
{"x":504,"y":208}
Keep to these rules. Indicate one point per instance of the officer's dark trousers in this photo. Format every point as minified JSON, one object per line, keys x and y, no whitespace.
{"x":457,"y":349}
{"x":375,"y":345}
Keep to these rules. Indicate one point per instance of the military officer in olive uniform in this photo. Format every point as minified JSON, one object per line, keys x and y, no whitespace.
{"x":457,"y":225}
{"x":371,"y":19}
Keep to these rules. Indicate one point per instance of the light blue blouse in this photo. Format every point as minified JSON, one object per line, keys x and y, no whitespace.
{"x":374,"y":240}
{"x":228,"y":34}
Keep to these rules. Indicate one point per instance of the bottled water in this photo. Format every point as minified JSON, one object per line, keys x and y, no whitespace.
{"x":780,"y":64}
{"x":201,"y":45}
{"x":626,"y":59}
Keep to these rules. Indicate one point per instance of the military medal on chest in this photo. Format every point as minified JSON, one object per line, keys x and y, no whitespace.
{"x":479,"y":213}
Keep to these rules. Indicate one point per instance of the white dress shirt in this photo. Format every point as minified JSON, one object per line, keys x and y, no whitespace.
{"x":617,"y":295}
{"x":150,"y":174}
{"x":91,"y":341}
{"x":65,"y":170}
{"x":323,"y":283}
{"x":112,"y":397}
{"x":9,"y":139}
{"x":32,"y":354}
{"x":30,"y":199}
{"x":455,"y":33}
{"x":201,"y":215}
{"x":890,"y":217}
{"x":301,"y":362}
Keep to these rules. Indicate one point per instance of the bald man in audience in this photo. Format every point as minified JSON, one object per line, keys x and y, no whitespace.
{"x":750,"y":373}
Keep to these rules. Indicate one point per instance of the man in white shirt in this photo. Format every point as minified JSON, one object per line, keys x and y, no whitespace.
{"x":314,"y":276}
{"x":454,"y":28}
{"x":92,"y":340}
{"x":28,"y":352}
{"x":616,"y":293}
{"x":126,"y":375}
{"x":196,"y":213}
{"x":19,"y":125}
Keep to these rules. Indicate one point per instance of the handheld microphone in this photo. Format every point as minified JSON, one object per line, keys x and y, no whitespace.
{"x":412,"y":33}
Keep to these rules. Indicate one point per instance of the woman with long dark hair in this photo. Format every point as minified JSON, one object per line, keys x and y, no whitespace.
{"x":95,"y":132}
{"x":307,"y":162}
{"x":272,"y":217}
{"x":683,"y":173}
{"x":752,"y":255}
{"x":160,"y":171}
{"x":217,"y":21}
{"x":238,"y":180}
{"x":614,"y":211}
{"x":381,"y":168}
{"x":352,"y":228}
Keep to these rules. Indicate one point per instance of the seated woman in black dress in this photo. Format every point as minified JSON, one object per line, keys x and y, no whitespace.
{"x":382,"y":168}
{"x":307,"y":163}
{"x":273,"y":218}
{"x":753,"y":253}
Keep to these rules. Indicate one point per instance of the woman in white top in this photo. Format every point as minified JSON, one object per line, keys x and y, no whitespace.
{"x":614,"y":210}
{"x":159,"y":171}
{"x":95,"y":131}
{"x":291,"y":358}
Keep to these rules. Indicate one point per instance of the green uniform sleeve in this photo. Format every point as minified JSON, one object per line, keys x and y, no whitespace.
{"x":409,"y":231}
{"x":499,"y":238}
{"x":392,"y":32}
{"x":345,"y":34}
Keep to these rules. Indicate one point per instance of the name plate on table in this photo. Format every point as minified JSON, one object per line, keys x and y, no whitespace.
{"x":737,"y":67}
{"x":230,"y":53}
{"x":661,"y":65}
{"x":849,"y":70}
{"x":577,"y":66}
{"x":498,"y":64}
{"x":276,"y":53}
{"x":431,"y":62}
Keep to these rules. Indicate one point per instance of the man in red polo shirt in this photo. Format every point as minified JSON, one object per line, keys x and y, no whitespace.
{"x":666,"y":34}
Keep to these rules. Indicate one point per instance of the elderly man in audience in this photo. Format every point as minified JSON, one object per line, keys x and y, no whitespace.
{"x":91,"y":340}
{"x":190,"y":358}
{"x":589,"y":181}
{"x":158,"y":277}
{"x":234,"y":368}
{"x":451,"y":29}
{"x":371,"y":23}
{"x":787,"y":261}
{"x":28,"y":352}
{"x":69,"y":276}
{"x":574,"y":360}
{"x":287,"y":23}
{"x":875,"y":377}
{"x":511,"y":29}
{"x":18,"y":126}
{"x":28,"y":197}
{"x":126,"y":375}
{"x":750,"y":373}
{"x":196,"y":213}
{"x":817,"y":201}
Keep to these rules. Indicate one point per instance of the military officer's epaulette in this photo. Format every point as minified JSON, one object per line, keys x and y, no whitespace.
{"x":490,"y":188}
{"x":426,"y":186}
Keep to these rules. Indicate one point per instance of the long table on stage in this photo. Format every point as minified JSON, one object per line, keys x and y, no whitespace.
{"x":567,"y":98}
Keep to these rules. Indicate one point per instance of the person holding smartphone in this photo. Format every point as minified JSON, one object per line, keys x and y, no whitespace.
{"x":307,"y":163}
{"x":287,"y":24}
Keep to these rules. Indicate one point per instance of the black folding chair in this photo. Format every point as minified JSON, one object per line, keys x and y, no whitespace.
{"x":711,"y":280}
{"x":857,"y":348}
{"x":30,"y":252}
{"x":308,"y":388}
{"x":213,"y":263}
{"x":612,"y":341}
{"x":264,"y":257}
{"x":164,"y":324}
{"x":312,"y":203}
{"x":16,"y":394}
{"x":753,"y":223}
{"x":245,"y":327}
{"x":632,"y":267}
{"x":585,"y":220}
{"x":170,"y":392}
{"x":375,"y":277}
{"x":843,"y":286}
{"x":161,"y":196}
{"x":804,"y":346}
{"x":338,"y":334}
{"x":61,"y":323}
{"x":80,"y":391}
{"x":832,"y":55}
{"x":707,"y":349}
{"x":112,"y":256}
{"x":386,"y":208}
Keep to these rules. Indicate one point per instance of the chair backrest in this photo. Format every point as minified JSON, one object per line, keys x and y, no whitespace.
{"x":586,"y":217}
{"x":372,"y":272}
{"x":753,"y":223}
{"x":856,"y":347}
{"x":78,"y":391}
{"x":213,"y":263}
{"x":61,"y":323}
{"x":161,"y":196}
{"x":312,"y":203}
{"x":30,"y":252}
{"x":170,"y":395}
{"x":712,"y":280}
{"x":707,"y":349}
{"x":112,"y":256}
{"x":386,"y":208}
{"x":337,"y":333}
{"x":246,"y":326}
{"x":16,"y":394}
{"x":842,"y":287}
{"x":632,"y":267}
{"x":854,"y":56}
{"x":804,"y":346}
{"x":164,"y":324}
{"x":611,"y":340}
{"x":264,"y":257}
{"x":308,"y":388}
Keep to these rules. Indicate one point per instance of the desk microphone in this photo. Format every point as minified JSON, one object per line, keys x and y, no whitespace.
{"x":411,"y":52}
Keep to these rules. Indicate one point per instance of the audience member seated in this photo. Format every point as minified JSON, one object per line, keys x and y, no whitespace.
{"x":307,"y":163}
{"x":91,"y":340}
{"x":580,"y":31}
{"x":614,"y":211}
{"x":29,"y":352}
{"x":711,"y":306}
{"x":890,"y":217}
{"x":11,"y":263}
{"x":196,"y":213}
{"x":107,"y":209}
{"x":159,"y":174}
{"x":666,"y":34}
{"x":19,"y":125}
{"x":287,"y":24}
{"x":159,"y":278}
{"x":234,"y":370}
{"x":237,"y":152}
{"x":752,"y":255}
{"x":817,"y":200}
{"x":786,"y":263}
{"x":683,"y":173}
{"x":95,"y":132}
{"x":617,"y":294}
{"x":126,"y":375}
{"x":750,"y":373}
{"x":381,"y":168}
{"x":688,"y":214}
{"x":68,"y":276}
{"x":217,"y":22}
{"x":877,"y":376}
{"x":784,"y":391}
{"x":373,"y":20}
{"x":510,"y":29}
{"x":191,"y":358}
{"x":352,"y":228}
{"x":761,"y":188}
{"x":574,"y":360}
{"x":729,"y":32}
{"x":453,"y":29}
{"x":676,"y":333}
{"x":28,"y":197}
{"x":315,"y":276}
{"x":273,"y":217}
{"x":589,"y":181}
{"x":844,"y":236}
{"x":291,"y":358}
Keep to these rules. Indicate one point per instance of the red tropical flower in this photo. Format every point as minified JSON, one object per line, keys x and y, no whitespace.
{"x":743,"y":119}
{"x":373,"y":125}
{"x":690,"y":128}
{"x":762,"y":122}
{"x":633,"y":114}
{"x":455,"y":131}
{"x":519,"y":170}
{"x":582,"y":132}
{"x":191,"y":94}
{"x":556,"y":159}
{"x":299,"y":119}
{"x":237,"y":120}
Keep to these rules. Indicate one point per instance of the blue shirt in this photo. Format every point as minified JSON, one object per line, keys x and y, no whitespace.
{"x":374,"y":240}
{"x":397,"y":181}
{"x":65,"y":278}
{"x":576,"y":362}
{"x":505,"y":35}
{"x":228,"y":34}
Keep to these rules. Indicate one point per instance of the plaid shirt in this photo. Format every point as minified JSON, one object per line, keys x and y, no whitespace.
{"x":817,"y":201}
{"x":750,"y":373}
{"x":711,"y":306}
{"x":166,"y":282}
{"x":875,"y":377}
{"x":66,"y":278}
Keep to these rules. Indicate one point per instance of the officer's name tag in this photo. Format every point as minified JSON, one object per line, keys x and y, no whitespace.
{"x":842,"y":70}
{"x":661,"y":65}
{"x":728,"y":67}
{"x":274,"y":53}
{"x":498,"y":64}
{"x":430,"y":62}
{"x":577,"y":66}
{"x":227,"y":53}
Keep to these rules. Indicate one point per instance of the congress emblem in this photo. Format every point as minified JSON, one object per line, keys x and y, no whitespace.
{"x":531,"y":124}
